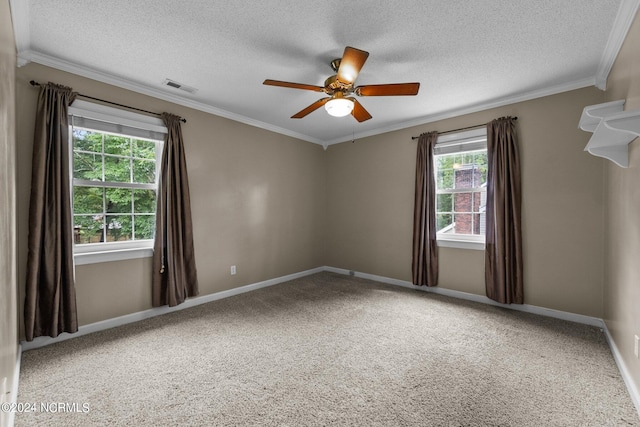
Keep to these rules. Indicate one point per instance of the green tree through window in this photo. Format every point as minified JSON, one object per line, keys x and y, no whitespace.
{"x":114,"y":186}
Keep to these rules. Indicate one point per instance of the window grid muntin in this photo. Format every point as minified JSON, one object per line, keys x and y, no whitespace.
{"x":474,"y":194}
{"x":476,"y":191}
{"x":131,"y":185}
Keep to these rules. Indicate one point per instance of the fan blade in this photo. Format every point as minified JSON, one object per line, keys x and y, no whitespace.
{"x":359,"y":112}
{"x":293,"y":85}
{"x":393,"y":89}
{"x":311,"y":108}
{"x":352,"y":61}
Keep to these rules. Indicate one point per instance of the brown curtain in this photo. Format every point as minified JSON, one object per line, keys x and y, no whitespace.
{"x":424,"y":263}
{"x":174,"y":264}
{"x":503,"y":257}
{"x":50,"y":297}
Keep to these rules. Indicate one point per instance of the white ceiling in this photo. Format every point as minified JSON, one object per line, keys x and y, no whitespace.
{"x":468,"y":56}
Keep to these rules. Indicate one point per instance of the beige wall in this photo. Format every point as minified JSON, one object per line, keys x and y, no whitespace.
{"x":370,"y":205}
{"x":622,"y":219}
{"x":274,"y":205}
{"x":257,"y":197}
{"x":8,"y":294}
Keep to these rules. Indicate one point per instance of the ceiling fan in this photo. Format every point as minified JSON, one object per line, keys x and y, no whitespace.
{"x":339,"y":87}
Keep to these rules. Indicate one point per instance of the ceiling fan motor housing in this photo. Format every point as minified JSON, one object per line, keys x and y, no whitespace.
{"x":340,"y":86}
{"x":333,"y":85}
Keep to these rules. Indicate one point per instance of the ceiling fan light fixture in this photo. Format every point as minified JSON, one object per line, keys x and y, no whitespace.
{"x":339,"y":107}
{"x":340,"y":87}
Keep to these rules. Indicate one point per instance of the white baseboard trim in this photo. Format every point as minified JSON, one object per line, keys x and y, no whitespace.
{"x":14,"y":388}
{"x":157,"y":311}
{"x":622,"y":367}
{"x":192,"y":302}
{"x":572,"y":317}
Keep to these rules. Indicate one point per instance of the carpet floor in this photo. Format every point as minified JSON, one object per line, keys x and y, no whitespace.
{"x":329,"y":349}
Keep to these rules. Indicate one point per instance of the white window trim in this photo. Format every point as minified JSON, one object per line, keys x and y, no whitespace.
{"x":461,"y":138}
{"x":108,"y":114}
{"x":461,"y":241}
{"x":92,"y":253}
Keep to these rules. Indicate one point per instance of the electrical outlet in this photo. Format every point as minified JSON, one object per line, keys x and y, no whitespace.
{"x":635,"y":346}
{"x":233,"y":270}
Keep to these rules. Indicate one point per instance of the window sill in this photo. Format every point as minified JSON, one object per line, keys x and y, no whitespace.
{"x":111,"y":255}
{"x":461,"y":244}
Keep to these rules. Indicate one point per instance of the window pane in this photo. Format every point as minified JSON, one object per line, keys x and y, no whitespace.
{"x":144,"y":171}
{"x":443,"y":221}
{"x":118,"y":145}
{"x":106,"y":214}
{"x":467,"y":158}
{"x":482,"y":223}
{"x":443,"y":203}
{"x":144,"y":149}
{"x":87,"y":141}
{"x":87,"y":166}
{"x":461,"y":170}
{"x":118,"y":200}
{"x":118,"y":228}
{"x":463,"y":202}
{"x":481,"y":161}
{"x":144,"y":201}
{"x":480,"y":201}
{"x":463,"y":223}
{"x":87,"y":228}
{"x":145,"y":226}
{"x":117,"y":169}
{"x":444,"y":177}
{"x":444,"y":162}
{"x":87,"y":200}
{"x":464,"y":171}
{"x":467,"y":176}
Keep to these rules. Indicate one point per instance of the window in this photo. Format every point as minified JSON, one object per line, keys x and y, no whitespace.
{"x":461,"y":189}
{"x":114,"y":187}
{"x":115,"y":156}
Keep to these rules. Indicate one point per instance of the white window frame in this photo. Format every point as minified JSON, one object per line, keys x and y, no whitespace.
{"x":90,"y":253}
{"x":461,"y":142}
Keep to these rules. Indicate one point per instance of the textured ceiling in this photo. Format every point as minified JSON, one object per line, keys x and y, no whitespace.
{"x":466,"y":55}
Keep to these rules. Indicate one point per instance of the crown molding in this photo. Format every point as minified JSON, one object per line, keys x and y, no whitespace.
{"x":21,"y":30}
{"x":20,"y":16}
{"x":70,"y":67}
{"x":626,"y":13}
{"x":500,"y":102}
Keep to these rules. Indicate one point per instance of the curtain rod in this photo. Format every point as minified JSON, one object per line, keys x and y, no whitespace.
{"x":457,"y":130}
{"x":183,"y":120}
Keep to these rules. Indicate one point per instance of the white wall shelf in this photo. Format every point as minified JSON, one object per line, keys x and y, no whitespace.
{"x":613,"y":129}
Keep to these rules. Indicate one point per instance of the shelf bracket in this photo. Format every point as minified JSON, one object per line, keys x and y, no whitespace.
{"x":613,"y":129}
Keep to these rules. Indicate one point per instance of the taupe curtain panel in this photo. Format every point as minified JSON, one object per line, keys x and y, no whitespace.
{"x":50,"y":297}
{"x":503,"y":257}
{"x":174,"y":264}
{"x":424,"y":263}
